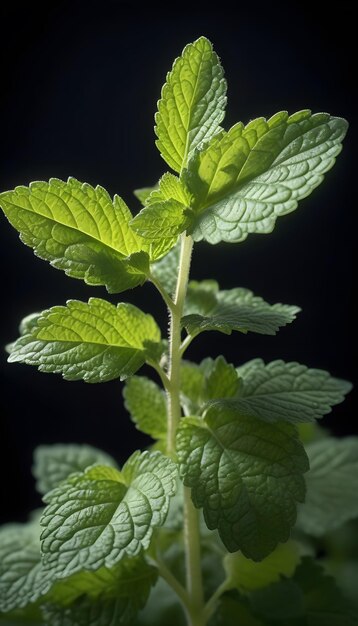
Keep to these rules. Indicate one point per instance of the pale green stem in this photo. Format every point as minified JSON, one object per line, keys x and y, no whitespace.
{"x":173,"y":582}
{"x":194,"y":580}
{"x":174,"y":410}
{"x":194,"y":584}
{"x":185,"y":344}
{"x":212,"y":603}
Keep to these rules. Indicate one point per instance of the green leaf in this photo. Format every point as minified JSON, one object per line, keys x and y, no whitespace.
{"x":170,"y":187}
{"x":203,"y":383}
{"x":246,"y":575}
{"x":247,"y":476}
{"x":222,"y":380}
{"x":192,"y":103}
{"x":92,"y":597}
{"x":146,"y":403}
{"x":54,"y":463}
{"x":21,"y":575}
{"x":166,"y":270}
{"x":95,"y":342}
{"x":287,"y":392}
{"x":98,"y":516}
{"x":31,"y":614}
{"x":246,"y":178}
{"x":207,"y":308}
{"x":332,"y":496}
{"x":310,"y":598}
{"x":143,"y":193}
{"x":232,"y":610}
{"x":162,"y":220}
{"x":80,"y":230}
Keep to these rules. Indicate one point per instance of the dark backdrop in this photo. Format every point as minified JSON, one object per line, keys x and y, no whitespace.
{"x":79,"y":85}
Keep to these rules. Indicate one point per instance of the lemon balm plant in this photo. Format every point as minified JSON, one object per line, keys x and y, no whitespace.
{"x":217,"y":523}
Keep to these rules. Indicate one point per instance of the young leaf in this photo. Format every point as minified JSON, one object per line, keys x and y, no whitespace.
{"x":143,"y":193}
{"x":170,"y":187}
{"x":105,"y":594}
{"x":95,"y":342}
{"x":332,"y":497}
{"x":146,"y":403}
{"x":54,"y":463}
{"x":22,"y":579}
{"x":98,"y":516}
{"x":208,"y":381}
{"x":192,"y":103}
{"x":246,"y":575}
{"x":288,"y":391}
{"x":246,"y":178}
{"x":222,"y":379}
{"x":207,"y":308}
{"x":162,"y":220}
{"x":80,"y":230}
{"x":246,"y":474}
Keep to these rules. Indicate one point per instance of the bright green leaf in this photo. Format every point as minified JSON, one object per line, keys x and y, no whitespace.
{"x":332,"y":496}
{"x":162,"y":220}
{"x":95,"y":342}
{"x":146,"y":403}
{"x":22,"y":579}
{"x":288,"y":392}
{"x":247,"y":476}
{"x":98,"y":516}
{"x":192,"y":103}
{"x":246,"y":178}
{"x":79,"y":229}
{"x":170,"y":187}
{"x":143,"y":193}
{"x":207,"y":308}
{"x":54,"y":463}
{"x":246,"y":575}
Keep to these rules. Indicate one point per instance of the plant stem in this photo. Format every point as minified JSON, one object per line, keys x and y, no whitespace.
{"x":194,"y":581}
{"x":174,"y":410}
{"x":173,"y":582}
{"x":194,"y":584}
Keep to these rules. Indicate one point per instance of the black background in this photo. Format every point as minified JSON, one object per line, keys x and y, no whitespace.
{"x":79,"y":86}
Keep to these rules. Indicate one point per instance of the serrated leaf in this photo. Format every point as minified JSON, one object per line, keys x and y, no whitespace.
{"x":170,"y":187}
{"x":211,"y":379}
{"x":98,"y":516}
{"x":192,"y":103}
{"x":146,"y":403}
{"x":288,"y":392}
{"x":162,"y":220}
{"x":309,"y":598}
{"x":94,"y":595}
{"x":21,"y":575}
{"x":222,"y":380}
{"x":246,"y":474}
{"x":94,"y":341}
{"x":79,"y":229}
{"x":248,"y":177}
{"x":207,"y":308}
{"x":54,"y":463}
{"x":246,"y":575}
{"x":166,"y":270}
{"x":332,"y":494}
{"x":143,"y":193}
